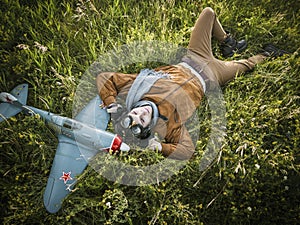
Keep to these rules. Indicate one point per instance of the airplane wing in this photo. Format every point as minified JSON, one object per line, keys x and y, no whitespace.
{"x":93,"y":115}
{"x":71,"y":158}
{"x":9,"y":110}
{"x":67,"y":164}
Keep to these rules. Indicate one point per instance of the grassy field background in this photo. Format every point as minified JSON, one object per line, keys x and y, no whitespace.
{"x":255,"y":180}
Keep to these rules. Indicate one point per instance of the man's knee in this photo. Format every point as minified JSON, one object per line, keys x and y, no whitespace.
{"x":207,"y":14}
{"x":208,"y":11}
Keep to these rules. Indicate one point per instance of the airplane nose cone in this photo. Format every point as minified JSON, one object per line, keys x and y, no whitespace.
{"x":124,"y":147}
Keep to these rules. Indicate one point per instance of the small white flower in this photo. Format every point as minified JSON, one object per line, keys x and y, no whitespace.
{"x":108,"y":204}
{"x":23,"y":46}
{"x":286,"y":188}
{"x":249,"y":208}
{"x":285,"y":177}
{"x":257,"y":166}
{"x":42,"y":48}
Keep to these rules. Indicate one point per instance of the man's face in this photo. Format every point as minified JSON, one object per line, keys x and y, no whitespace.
{"x":141,"y":115}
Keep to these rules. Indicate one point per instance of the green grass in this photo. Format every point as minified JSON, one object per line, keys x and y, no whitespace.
{"x":255,"y":180}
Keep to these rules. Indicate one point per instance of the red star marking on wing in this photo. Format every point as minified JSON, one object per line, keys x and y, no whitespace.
{"x":66,"y":177}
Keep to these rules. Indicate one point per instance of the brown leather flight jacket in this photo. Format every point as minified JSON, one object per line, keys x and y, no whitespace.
{"x":176,"y":97}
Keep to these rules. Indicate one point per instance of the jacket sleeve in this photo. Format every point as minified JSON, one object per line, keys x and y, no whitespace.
{"x":178,"y":144}
{"x":109,"y":85}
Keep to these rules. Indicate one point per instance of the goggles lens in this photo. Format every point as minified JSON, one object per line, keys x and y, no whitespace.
{"x":136,"y":129}
{"x":128,"y":122}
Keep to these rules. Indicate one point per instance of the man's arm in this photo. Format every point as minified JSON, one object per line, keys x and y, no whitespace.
{"x":109,"y":84}
{"x":178,"y":144}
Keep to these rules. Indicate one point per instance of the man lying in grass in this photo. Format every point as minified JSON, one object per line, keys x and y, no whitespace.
{"x":161,"y":100}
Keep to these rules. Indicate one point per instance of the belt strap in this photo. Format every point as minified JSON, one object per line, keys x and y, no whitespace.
{"x":197,"y":70}
{"x":202,"y":81}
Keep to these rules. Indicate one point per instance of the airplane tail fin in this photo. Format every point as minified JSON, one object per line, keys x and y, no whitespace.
{"x":14,"y":102}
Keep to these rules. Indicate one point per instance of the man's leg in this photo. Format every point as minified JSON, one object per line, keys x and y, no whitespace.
{"x":227,"y":70}
{"x":205,"y":27}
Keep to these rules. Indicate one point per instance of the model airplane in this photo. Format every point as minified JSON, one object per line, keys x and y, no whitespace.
{"x":79,"y":139}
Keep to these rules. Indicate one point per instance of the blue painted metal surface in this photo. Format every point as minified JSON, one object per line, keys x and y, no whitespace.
{"x":7,"y":110}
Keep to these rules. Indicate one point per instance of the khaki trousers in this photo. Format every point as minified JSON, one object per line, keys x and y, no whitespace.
{"x":206,"y":27}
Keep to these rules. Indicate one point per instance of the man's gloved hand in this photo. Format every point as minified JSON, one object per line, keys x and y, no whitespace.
{"x":114,"y":108}
{"x":154,"y":144}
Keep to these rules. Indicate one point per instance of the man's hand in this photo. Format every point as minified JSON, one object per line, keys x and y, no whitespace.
{"x":154,"y":144}
{"x":114,"y":108}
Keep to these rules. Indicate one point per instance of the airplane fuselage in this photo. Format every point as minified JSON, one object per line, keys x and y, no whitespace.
{"x":85,"y":135}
